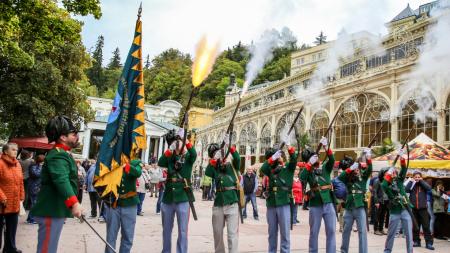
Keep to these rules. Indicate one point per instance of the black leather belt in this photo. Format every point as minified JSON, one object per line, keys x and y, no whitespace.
{"x":222,"y":189}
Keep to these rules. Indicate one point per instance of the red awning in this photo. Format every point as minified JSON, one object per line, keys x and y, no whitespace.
{"x":32,"y":142}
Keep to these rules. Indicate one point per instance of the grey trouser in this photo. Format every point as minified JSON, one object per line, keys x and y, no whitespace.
{"x":279,"y":216}
{"x":316,"y":213}
{"x":358,"y":214}
{"x":394,"y":220}
{"x":228,"y":214}
{"x":168,"y":212}
{"x":48,"y":233}
{"x":123,"y":218}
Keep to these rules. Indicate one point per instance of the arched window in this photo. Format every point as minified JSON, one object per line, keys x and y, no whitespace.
{"x":265,"y":138}
{"x":376,"y":114}
{"x":285,"y":123}
{"x":248,"y":137}
{"x":319,"y":125}
{"x":346,"y":125}
{"x":367,"y":111}
{"x":243,"y":140}
{"x":406,"y":120}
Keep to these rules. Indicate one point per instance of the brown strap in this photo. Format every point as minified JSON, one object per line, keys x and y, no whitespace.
{"x":323,"y":187}
{"x":127,"y":195}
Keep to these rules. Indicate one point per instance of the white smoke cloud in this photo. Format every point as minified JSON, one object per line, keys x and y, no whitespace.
{"x":261,"y":52}
{"x":368,"y":17}
{"x":431,"y":75}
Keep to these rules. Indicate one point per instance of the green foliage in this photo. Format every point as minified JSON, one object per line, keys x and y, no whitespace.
{"x":169,"y":77}
{"x":114,"y":62}
{"x":96,"y":72}
{"x":83,"y":7}
{"x":42,"y":62}
{"x":212,"y":93}
{"x":386,"y":147}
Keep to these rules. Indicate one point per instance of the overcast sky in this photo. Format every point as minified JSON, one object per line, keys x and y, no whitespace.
{"x":181,"y":23}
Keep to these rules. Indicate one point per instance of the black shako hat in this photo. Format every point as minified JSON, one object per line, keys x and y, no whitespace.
{"x":307,"y":153}
{"x":346,"y":162}
{"x":212,"y":148}
{"x":57,"y":126}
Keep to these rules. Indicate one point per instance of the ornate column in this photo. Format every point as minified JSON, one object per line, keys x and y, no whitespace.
{"x":86,"y":142}
{"x":392,"y":105}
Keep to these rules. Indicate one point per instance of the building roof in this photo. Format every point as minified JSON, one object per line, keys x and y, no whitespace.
{"x":261,"y":85}
{"x":165,"y":125}
{"x":405,"y":13}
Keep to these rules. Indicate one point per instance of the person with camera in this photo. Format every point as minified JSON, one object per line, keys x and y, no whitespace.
{"x":417,"y":189}
{"x":439,"y":201}
{"x":321,"y":199}
{"x":178,"y":161}
{"x":225,"y":172}
{"x":278,"y":195}
{"x":394,"y":188}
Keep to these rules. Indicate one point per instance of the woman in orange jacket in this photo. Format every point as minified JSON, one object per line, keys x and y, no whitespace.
{"x":11,"y":194}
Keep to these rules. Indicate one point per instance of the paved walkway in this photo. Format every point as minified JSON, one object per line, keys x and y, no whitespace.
{"x":78,"y":238}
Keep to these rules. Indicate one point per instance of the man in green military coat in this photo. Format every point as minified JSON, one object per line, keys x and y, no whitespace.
{"x":321,"y":200}
{"x":278,"y":201}
{"x":122,"y":215}
{"x":355,"y":178}
{"x":57,"y":199}
{"x":226,"y":210}
{"x":178,"y":160}
{"x":394,"y":188}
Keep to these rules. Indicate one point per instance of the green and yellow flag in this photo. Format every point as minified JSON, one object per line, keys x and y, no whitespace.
{"x":125,"y":131}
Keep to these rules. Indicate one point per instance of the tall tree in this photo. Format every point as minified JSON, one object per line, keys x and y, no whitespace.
{"x":147,"y":62}
{"x":114,"y":62}
{"x":169,"y":77}
{"x":95,"y":72}
{"x":321,"y":39}
{"x":42,"y":63}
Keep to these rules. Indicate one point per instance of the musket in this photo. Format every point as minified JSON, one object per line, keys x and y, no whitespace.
{"x":292,"y":127}
{"x":186,"y":114}
{"x":374,"y":138}
{"x":372,"y":141}
{"x":230,"y":125}
{"x":83,"y":219}
{"x":239,"y":190}
{"x":319,"y":146}
{"x":404,"y":145}
{"x":230,"y":130}
{"x":187,"y":187}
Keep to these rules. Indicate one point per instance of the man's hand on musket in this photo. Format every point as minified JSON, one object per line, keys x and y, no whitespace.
{"x":180,"y":133}
{"x":77,"y":210}
{"x":226,"y":139}
{"x":324,"y":142}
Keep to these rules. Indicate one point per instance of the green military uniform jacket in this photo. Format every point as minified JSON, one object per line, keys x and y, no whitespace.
{"x":280,"y":185}
{"x":59,"y":185}
{"x":127,"y":189}
{"x":174,"y":191}
{"x":398,"y":201}
{"x":320,"y":185}
{"x":356,"y":191}
{"x":226,"y":192}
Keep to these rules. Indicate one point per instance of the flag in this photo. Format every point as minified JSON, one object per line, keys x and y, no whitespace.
{"x":125,"y":131}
